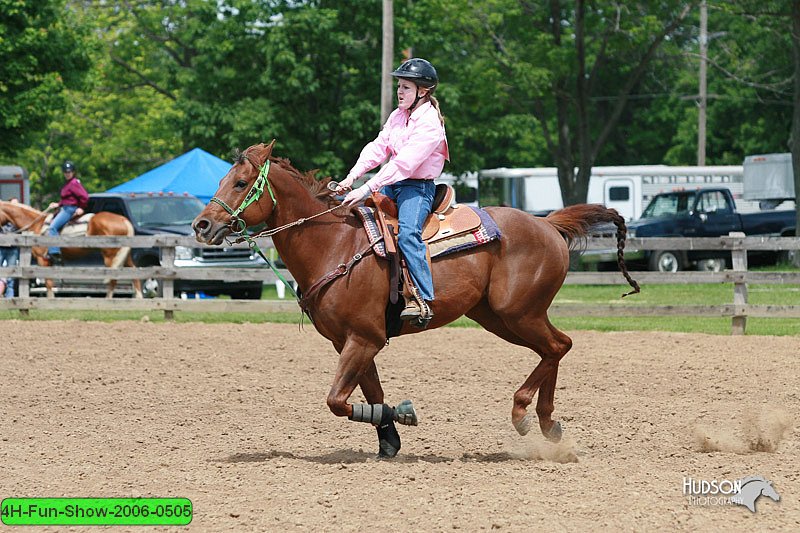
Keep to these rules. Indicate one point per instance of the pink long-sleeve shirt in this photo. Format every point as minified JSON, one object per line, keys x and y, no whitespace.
{"x":417,"y":146}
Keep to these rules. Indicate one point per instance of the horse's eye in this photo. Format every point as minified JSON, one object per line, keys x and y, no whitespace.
{"x":241,"y":184}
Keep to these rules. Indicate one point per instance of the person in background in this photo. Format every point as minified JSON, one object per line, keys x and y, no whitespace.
{"x":74,"y":200}
{"x":414,"y":137}
{"x":9,"y":257}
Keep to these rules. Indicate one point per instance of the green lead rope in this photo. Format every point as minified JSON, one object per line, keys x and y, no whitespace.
{"x":254,"y":246}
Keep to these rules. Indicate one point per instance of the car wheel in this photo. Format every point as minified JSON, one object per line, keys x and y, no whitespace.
{"x":666,"y":261}
{"x":716,"y":264}
{"x":152,"y":288}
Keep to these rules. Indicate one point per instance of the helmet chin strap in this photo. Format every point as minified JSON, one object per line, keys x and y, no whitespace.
{"x":417,"y":99}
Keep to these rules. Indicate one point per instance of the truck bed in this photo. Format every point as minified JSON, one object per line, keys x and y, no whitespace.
{"x":774,"y":223}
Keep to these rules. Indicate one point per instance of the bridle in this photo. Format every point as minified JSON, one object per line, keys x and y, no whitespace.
{"x":238,"y":225}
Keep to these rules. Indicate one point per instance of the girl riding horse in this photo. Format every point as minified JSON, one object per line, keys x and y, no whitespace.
{"x":506,"y":285}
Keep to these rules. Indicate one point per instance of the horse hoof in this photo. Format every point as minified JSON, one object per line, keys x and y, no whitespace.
{"x":555,"y":433}
{"x":386,"y":450}
{"x":388,"y":441}
{"x":523,"y":426}
{"x":406,"y":414}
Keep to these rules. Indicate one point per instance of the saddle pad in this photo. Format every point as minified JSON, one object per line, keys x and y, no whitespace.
{"x":486,"y":232}
{"x":367,"y":215}
{"x":74,"y":228}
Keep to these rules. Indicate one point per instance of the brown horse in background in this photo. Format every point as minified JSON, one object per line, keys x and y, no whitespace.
{"x":30,"y":220}
{"x":506,"y":285}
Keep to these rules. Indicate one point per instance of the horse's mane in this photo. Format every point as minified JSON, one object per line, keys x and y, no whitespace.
{"x":318,"y":187}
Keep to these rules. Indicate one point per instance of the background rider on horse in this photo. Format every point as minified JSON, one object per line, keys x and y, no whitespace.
{"x":74,"y":200}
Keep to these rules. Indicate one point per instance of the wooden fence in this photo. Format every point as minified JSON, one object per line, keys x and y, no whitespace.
{"x":738,"y":310}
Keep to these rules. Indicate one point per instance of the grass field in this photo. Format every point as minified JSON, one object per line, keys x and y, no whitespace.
{"x":700,"y":294}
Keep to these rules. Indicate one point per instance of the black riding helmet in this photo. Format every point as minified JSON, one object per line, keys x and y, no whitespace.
{"x":418,"y":70}
{"x":68,"y":166}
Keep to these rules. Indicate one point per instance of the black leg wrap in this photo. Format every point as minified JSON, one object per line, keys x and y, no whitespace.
{"x":388,"y":437}
{"x":388,"y":440}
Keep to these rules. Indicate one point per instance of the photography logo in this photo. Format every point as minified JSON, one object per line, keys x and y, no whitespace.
{"x":745,"y":491}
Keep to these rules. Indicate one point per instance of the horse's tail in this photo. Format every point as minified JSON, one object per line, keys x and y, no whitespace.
{"x":575,"y":221}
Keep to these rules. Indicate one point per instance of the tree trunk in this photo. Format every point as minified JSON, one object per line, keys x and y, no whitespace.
{"x":565,"y":164}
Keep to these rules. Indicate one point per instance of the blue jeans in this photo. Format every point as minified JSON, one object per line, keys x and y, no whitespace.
{"x":414,"y":203}
{"x":59,"y":221}
{"x":9,"y":256}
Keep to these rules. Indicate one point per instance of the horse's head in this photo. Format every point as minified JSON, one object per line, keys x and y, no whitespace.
{"x":16,"y":213}
{"x":244,"y":197}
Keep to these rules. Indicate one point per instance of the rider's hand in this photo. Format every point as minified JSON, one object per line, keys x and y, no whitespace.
{"x":79,"y":212}
{"x":52,"y":205}
{"x":357,"y":196}
{"x":345,"y":184}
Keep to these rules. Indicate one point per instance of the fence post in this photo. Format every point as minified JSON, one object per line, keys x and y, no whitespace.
{"x":23,"y":283}
{"x":739,"y":261}
{"x":168,"y":285}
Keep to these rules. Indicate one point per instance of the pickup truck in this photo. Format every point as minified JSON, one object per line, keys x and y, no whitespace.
{"x":701,"y":213}
{"x":168,"y":214}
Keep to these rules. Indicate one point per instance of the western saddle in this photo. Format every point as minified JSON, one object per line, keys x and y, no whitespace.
{"x":447,"y":219}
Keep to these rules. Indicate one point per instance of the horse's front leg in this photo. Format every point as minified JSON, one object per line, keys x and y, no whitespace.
{"x":357,"y":367}
{"x":388,"y":437}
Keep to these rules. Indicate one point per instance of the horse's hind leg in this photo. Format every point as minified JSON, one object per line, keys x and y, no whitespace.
{"x":552,"y":345}
{"x":547,"y":341}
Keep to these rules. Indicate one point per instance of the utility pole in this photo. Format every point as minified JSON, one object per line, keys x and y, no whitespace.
{"x":387,"y":59}
{"x":701,"y":118}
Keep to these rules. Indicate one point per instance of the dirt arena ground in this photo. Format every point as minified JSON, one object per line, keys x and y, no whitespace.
{"x":234,"y":418}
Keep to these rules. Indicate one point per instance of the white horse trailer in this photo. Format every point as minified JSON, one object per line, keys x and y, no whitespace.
{"x":769,"y":177}
{"x":628,"y":189}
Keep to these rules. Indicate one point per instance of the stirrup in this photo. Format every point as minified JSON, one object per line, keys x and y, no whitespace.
{"x":417,"y":315}
{"x":411,"y":311}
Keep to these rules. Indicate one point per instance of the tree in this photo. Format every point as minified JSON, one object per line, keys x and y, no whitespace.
{"x":42,"y":52}
{"x":569,"y":68}
{"x":240,"y":72}
{"x":749,"y":84}
{"x":113,"y":126}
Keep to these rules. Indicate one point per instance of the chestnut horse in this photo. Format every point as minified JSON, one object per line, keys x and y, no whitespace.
{"x":506,"y":285}
{"x":30,"y":220}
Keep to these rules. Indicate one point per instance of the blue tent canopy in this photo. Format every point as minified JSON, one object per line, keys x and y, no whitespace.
{"x":196,"y":172}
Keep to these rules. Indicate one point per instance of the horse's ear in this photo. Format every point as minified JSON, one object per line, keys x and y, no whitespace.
{"x":269,"y":147}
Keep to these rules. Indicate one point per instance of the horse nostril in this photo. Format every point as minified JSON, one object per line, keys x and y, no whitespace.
{"x":201,"y":225}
